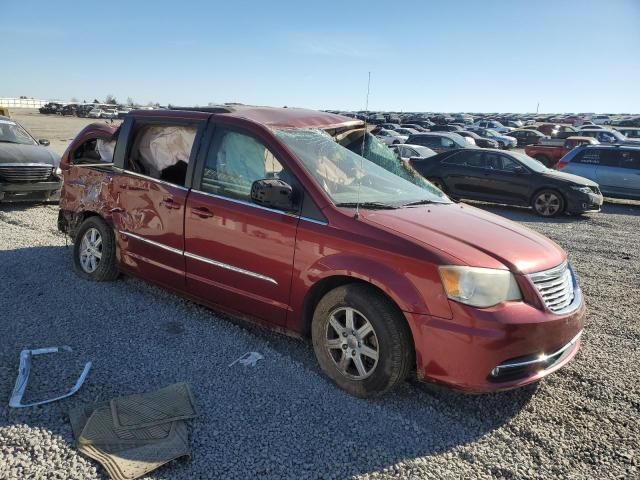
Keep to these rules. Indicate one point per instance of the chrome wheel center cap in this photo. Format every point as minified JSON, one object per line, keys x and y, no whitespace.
{"x":352,"y":341}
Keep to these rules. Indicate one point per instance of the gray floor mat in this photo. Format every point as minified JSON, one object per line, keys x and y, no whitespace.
{"x":174,"y":402}
{"x":153,"y":434}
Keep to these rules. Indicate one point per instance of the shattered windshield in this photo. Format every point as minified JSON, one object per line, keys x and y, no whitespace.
{"x":378,"y":179}
{"x":11,"y":132}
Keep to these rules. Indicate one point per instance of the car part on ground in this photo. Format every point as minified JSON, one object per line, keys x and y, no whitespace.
{"x":23,"y":377}
{"x":133,"y":435}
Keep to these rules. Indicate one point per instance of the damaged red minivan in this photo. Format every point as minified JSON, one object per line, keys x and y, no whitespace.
{"x":304,"y":222}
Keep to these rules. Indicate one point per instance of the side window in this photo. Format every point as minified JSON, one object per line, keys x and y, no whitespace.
{"x":629,"y":159}
{"x":509,"y":164}
{"x":95,"y":150}
{"x":589,"y":156}
{"x":236,"y":160}
{"x":446,"y":142}
{"x":455,"y":159}
{"x":474,"y":159}
{"x":162,"y":151}
{"x":493,"y":161}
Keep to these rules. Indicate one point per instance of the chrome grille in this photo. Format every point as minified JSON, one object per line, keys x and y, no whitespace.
{"x":25,"y":172}
{"x":555,"y":286}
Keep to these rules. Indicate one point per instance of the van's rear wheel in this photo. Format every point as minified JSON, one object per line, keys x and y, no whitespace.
{"x":361,"y":340}
{"x":94,"y":251}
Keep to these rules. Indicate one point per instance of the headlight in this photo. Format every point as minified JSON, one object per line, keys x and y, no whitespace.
{"x":479,"y":287}
{"x":581,"y":189}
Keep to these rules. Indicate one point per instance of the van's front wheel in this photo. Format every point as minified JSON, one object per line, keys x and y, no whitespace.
{"x":94,"y":251}
{"x":361,"y":340}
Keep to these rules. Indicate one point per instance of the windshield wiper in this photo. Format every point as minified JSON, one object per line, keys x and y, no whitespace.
{"x":367,"y":205}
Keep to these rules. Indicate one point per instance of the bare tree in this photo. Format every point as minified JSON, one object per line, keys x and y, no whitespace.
{"x":111,"y":100}
{"x":74,"y":100}
{"x":130,"y":102}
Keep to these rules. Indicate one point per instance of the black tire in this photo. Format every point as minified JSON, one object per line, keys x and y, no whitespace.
{"x":393,"y":341}
{"x":106,"y":268}
{"x":396,"y":142}
{"x":543,"y":159}
{"x":554,"y":200}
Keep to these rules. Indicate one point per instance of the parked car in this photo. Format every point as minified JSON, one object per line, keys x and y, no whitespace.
{"x":478,"y":140}
{"x":68,"y":110}
{"x":629,"y":132}
{"x":592,"y":127}
{"x":514,"y":124}
{"x":414,"y":126}
{"x":608,"y":136}
{"x":526,"y":136}
{"x":510,"y":178}
{"x":406,"y":151}
{"x":492,"y":125}
{"x":51,"y":108}
{"x":445,"y":128}
{"x":601,"y":119}
{"x":279,"y":223}
{"x":504,"y":141}
{"x":405,"y":131}
{"x":388,"y":126}
{"x":439,"y":141}
{"x":630,"y":122}
{"x":615,"y":168}
{"x":390,"y":137}
{"x":549,"y":155}
{"x":84,"y":109}
{"x":28,"y":170}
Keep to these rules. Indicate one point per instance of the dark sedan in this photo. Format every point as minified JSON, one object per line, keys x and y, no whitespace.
{"x":28,"y":171}
{"x":512,"y":179}
{"x":480,"y":141}
{"x":527,"y":137}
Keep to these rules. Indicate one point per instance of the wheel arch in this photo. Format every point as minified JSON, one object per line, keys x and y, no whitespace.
{"x":325,"y":285}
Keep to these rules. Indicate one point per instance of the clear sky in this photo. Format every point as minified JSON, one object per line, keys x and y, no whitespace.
{"x":460,"y":55}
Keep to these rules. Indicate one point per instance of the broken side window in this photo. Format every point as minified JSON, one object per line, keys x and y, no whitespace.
{"x":162,"y":152}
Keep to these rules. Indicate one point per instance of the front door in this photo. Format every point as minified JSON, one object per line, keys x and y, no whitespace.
{"x":238,"y":254}
{"x":150,"y":197}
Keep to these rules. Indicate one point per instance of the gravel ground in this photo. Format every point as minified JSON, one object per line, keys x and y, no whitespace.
{"x":283,"y":419}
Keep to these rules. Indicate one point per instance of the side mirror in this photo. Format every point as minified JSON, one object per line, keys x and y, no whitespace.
{"x":44,"y":142}
{"x":272,"y":193}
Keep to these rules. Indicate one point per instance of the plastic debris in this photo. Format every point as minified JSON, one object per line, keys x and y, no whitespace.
{"x":23,"y":377}
{"x":249,"y":359}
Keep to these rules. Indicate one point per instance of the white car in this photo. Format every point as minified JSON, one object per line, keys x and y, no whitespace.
{"x":406,"y":152}
{"x":390,"y":137}
{"x":492,"y":125}
{"x":101,"y":113}
{"x":601,"y":119}
{"x":592,"y":127}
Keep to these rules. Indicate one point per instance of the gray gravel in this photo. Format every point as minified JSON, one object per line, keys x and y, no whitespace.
{"x":283,"y":419}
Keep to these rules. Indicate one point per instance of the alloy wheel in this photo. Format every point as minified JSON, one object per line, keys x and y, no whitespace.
{"x":547,"y":204}
{"x":352,"y":343}
{"x":90,"y":250}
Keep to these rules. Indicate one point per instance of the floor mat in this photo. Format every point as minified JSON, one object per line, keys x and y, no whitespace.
{"x":154,"y":432}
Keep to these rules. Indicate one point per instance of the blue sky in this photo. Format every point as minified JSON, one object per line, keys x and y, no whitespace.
{"x":571,"y":56}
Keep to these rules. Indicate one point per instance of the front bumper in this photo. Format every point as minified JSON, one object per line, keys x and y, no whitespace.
{"x":584,"y":202}
{"x":29,"y":192}
{"x":478,"y":350}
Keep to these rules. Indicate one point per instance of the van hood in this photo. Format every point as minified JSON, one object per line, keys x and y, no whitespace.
{"x":569,"y":178}
{"x":15,"y":153}
{"x":473,"y":236}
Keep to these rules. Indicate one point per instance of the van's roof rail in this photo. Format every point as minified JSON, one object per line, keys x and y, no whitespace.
{"x":216,"y":109}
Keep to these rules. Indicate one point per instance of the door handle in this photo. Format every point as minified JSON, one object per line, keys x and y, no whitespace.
{"x":169,"y":202}
{"x":202,"y":212}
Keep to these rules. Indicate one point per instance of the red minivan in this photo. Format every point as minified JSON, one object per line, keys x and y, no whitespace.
{"x":304,"y":222}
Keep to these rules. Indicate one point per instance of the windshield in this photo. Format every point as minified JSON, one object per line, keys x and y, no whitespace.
{"x":529,"y":162}
{"x":491,"y":133}
{"x":379,"y":178}
{"x":423,"y":151}
{"x":11,"y":132}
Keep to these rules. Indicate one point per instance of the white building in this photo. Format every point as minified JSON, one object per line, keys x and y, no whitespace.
{"x":12,"y":102}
